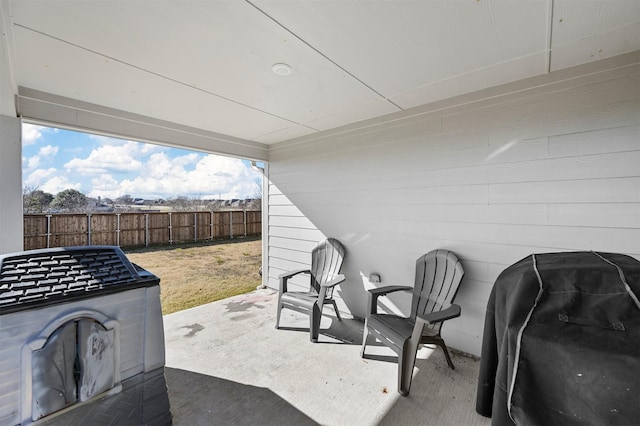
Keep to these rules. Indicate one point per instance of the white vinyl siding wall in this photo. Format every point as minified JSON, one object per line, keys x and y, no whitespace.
{"x":555,"y":167}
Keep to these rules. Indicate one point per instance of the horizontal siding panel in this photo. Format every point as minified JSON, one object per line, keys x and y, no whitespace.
{"x":617,"y":139}
{"x":618,"y":114}
{"x":292,"y":255}
{"x":412,"y":153}
{"x":430,"y":213}
{"x":545,"y":111}
{"x":291,"y":221}
{"x":458,"y":194}
{"x":278,"y":200}
{"x":494,"y":255}
{"x":281,"y":266}
{"x":376,"y":137}
{"x":561,"y":238}
{"x":621,"y":190}
{"x":273,"y":189}
{"x":292,"y":244}
{"x":284,"y":265}
{"x":604,"y":215}
{"x":281,"y":210}
{"x":620,"y":164}
{"x":292,"y":285}
{"x":296,"y":233}
{"x":473,"y":296}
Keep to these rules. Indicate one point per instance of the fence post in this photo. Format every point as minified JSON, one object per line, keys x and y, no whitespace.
{"x":170,"y":230}
{"x":88,"y":229}
{"x":245,"y":222}
{"x":231,"y":225}
{"x":48,"y":231}
{"x":195,"y":227}
{"x":211,"y":224}
{"x":118,"y":229}
{"x":146,"y":229}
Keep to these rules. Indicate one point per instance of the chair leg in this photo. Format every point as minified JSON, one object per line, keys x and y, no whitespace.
{"x":365,"y":334}
{"x":278,"y":315}
{"x":314,"y":322}
{"x":335,"y":308}
{"x":446,"y":353}
{"x":406,"y":362}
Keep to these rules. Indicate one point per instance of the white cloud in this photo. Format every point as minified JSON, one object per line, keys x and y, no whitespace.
{"x":48,"y":150}
{"x":133,"y":147}
{"x":39,"y":176}
{"x":31,"y":133}
{"x":47,"y":180}
{"x":59,"y":183}
{"x":107,"y":158}
{"x":33,"y":162}
{"x":163,"y":177}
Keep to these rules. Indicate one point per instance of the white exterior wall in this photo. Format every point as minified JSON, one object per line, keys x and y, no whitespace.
{"x":550,"y":164}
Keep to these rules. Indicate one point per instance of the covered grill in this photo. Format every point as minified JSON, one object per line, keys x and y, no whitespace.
{"x":82,"y":339}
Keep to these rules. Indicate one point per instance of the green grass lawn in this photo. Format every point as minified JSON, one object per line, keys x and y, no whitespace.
{"x":191,"y":275}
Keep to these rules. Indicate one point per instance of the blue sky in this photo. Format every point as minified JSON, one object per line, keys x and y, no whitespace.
{"x":55,"y":159}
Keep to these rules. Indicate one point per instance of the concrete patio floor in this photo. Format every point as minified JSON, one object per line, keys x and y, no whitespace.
{"x":226,"y":364}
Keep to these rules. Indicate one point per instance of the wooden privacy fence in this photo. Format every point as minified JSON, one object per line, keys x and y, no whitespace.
{"x":137,"y":229}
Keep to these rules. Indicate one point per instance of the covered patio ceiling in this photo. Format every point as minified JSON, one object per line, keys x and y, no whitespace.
{"x":209,"y":65}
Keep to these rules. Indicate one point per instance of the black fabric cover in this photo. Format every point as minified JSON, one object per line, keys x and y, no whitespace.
{"x":561,"y":342}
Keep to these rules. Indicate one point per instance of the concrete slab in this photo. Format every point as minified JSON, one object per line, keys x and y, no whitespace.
{"x":228,"y":365}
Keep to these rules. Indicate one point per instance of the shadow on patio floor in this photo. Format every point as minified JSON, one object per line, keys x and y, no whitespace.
{"x":228,"y":365}
{"x":201,"y":400}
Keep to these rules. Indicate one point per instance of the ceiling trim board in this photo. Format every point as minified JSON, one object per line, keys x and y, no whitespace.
{"x":50,"y":109}
{"x":549,"y":36}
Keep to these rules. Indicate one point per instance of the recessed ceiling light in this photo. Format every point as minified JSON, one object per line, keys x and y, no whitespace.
{"x":281,"y":69}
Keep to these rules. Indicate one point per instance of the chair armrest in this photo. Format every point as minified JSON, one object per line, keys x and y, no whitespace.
{"x":324,"y":287}
{"x":374,"y":293}
{"x":452,"y":311}
{"x":334,"y":282}
{"x":290,"y":274}
{"x":283,"y":278}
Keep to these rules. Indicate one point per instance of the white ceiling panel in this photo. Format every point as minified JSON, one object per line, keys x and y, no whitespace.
{"x":396,"y":46}
{"x":580,"y":19}
{"x":207,"y":64}
{"x":224,"y":48}
{"x":620,"y":40}
{"x":49,"y":66}
{"x":584,"y":30}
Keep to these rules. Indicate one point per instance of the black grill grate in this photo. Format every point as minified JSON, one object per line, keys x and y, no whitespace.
{"x":57,"y":275}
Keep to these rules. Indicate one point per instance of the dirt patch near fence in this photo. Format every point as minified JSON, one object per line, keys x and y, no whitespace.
{"x":192,"y":275}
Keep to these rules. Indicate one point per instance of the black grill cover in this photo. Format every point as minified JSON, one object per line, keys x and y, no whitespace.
{"x":562,"y":342}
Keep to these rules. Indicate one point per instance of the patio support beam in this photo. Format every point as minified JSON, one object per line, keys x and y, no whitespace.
{"x":11,"y":228}
{"x":58,"y":111}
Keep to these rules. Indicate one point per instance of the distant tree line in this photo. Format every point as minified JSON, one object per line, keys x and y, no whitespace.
{"x":73,"y":201}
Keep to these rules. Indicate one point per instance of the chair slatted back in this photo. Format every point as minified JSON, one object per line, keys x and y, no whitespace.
{"x":438,"y":276}
{"x":326,"y":261}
